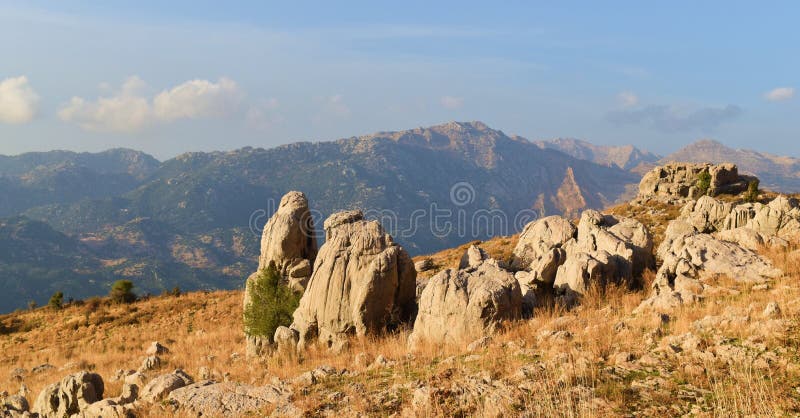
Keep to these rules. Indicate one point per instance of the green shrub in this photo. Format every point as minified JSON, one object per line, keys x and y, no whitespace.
{"x":122,"y":292}
{"x":703,"y":182}
{"x":271,"y":304}
{"x":752,"y":191}
{"x":56,"y":301}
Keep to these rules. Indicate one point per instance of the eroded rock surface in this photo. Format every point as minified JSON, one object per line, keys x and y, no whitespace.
{"x":363,"y":283}
{"x":461,"y":305}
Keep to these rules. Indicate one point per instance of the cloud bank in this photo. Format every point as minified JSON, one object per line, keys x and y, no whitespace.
{"x":669,"y":119}
{"x":18,"y":101}
{"x":130,"y":110}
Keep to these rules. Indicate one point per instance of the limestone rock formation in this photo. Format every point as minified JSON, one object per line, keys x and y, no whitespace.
{"x":227,"y":399}
{"x":608,"y":249}
{"x":362,"y":283}
{"x":288,"y":241}
{"x":692,"y":258}
{"x":748,"y":224}
{"x":461,"y":305}
{"x":675,"y":181}
{"x":540,"y":247}
{"x":70,"y":396}
{"x":163,"y":385}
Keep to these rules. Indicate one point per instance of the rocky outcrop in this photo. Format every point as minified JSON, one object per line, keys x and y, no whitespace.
{"x":228,"y":399}
{"x":288,"y":242}
{"x":163,"y":385}
{"x":70,"y":396}
{"x":363,"y":283}
{"x":690,"y":259}
{"x":461,"y":305}
{"x":676,"y":181}
{"x":751,"y":225}
{"x":540,"y":247}
{"x":607,"y":249}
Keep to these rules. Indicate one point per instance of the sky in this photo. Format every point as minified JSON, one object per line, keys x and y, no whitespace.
{"x":172,"y":77}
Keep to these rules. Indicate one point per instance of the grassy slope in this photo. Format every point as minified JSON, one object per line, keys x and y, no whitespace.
{"x":559,"y":363}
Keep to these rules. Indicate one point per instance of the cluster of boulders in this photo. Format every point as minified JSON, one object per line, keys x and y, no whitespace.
{"x":362,"y":283}
{"x":359,"y":282}
{"x":677,"y":182}
{"x":553,"y":255}
{"x":712,"y":238}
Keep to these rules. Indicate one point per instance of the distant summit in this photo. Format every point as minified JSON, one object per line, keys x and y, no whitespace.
{"x":778,"y":173}
{"x":626,"y":157}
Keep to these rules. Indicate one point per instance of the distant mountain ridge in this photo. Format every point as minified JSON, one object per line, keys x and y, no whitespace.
{"x":777,"y":173}
{"x":626,"y":157}
{"x":192,"y":220}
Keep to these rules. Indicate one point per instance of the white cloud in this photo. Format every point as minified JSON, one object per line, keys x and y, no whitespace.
{"x":124,"y":111}
{"x":450,"y":102}
{"x":628,"y":99}
{"x":198,"y":99}
{"x":18,"y":102}
{"x":779,"y":94}
{"x":129,"y":109}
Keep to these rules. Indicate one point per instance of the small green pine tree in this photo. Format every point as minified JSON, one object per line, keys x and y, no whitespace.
{"x":271,"y":304}
{"x":703,"y":182}
{"x":122,"y":292}
{"x":752,"y":191}
{"x":56,"y":301}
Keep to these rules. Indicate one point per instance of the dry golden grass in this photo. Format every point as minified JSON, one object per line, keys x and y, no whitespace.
{"x":567,"y":375}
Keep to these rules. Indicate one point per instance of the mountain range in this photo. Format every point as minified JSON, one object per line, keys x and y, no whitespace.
{"x":76,"y":222}
{"x":193,"y":221}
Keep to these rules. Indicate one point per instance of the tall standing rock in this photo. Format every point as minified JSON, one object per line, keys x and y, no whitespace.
{"x":679,"y":181}
{"x":288,"y":241}
{"x":362,"y":283}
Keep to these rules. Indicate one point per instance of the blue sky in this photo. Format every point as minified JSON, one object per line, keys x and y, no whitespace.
{"x":171,"y":77}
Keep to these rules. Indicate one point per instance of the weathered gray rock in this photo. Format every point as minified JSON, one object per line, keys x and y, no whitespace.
{"x":73,"y":394}
{"x":473,"y":257}
{"x":227,"y":399}
{"x":691,"y":258}
{"x":679,"y":181}
{"x":363,"y":283}
{"x":288,"y":242}
{"x":608,"y":249}
{"x":706,"y":214}
{"x":461,"y":305}
{"x":164,"y":384}
{"x":13,"y":403}
{"x":585,"y":269}
{"x":156,"y":349}
{"x":150,"y":363}
{"x":780,"y":217}
{"x":286,"y":340}
{"x":539,"y":249}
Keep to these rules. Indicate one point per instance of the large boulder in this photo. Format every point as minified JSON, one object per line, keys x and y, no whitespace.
{"x":539,"y":249}
{"x":460,"y":305}
{"x":163,"y":385}
{"x":608,"y":249}
{"x":677,"y":181}
{"x":363,"y":283}
{"x":780,"y":217}
{"x":228,"y":399}
{"x":288,"y":242}
{"x":70,"y":396}
{"x":692,"y":258}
